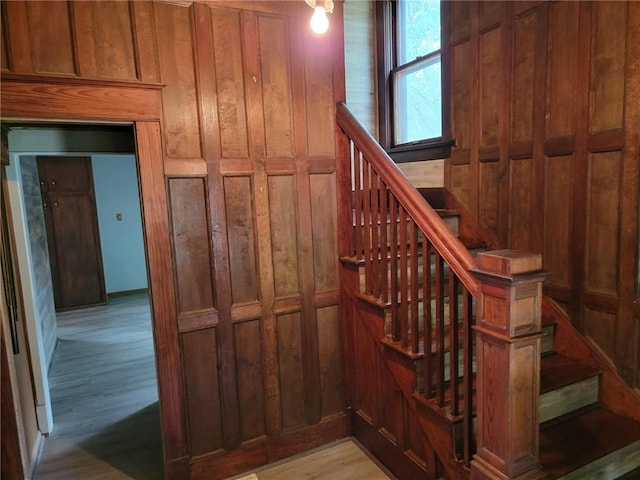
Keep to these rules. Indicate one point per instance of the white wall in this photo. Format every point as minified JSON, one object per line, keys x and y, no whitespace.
{"x":115,"y":180}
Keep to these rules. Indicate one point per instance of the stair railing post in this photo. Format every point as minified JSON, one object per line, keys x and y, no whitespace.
{"x":508,"y":331}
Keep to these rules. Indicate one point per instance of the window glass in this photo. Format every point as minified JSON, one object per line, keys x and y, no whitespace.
{"x":418,"y":29}
{"x":418,"y":100}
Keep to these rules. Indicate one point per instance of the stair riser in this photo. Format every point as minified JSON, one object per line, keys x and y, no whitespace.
{"x":562,"y":401}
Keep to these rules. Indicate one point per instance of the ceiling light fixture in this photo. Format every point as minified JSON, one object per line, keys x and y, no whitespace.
{"x":319,"y":21}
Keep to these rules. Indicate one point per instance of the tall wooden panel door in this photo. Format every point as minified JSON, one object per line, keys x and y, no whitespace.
{"x":69,"y":205}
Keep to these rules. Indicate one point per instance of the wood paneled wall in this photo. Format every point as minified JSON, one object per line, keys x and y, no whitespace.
{"x":546,"y":118}
{"x":249,"y":161}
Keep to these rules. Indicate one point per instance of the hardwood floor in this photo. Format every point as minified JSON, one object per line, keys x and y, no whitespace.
{"x":105,"y":407}
{"x":343,"y":460}
{"x":104,"y":396}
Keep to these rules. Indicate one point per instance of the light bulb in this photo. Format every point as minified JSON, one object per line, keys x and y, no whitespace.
{"x":319,"y":21}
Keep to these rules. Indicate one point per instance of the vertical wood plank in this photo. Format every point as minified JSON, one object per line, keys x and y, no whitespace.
{"x":460,"y":92}
{"x":218,"y":221}
{"x":248,"y":345}
{"x":276,"y":86}
{"x":284,"y":235}
{"x":488,"y":205}
{"x":325,"y":248}
{"x":257,"y":134}
{"x":241,"y":238}
{"x":319,"y":96}
{"x":163,"y":302}
{"x":191,"y":245}
{"x":50,"y":37}
{"x":179,"y":97}
{"x":199,"y":351}
{"x":490,"y":86}
{"x":18,"y":39}
{"x":524,"y":56}
{"x":562,"y":69}
{"x":229,"y":86}
{"x":557,"y":236}
{"x":114,"y":42}
{"x":521,"y":172}
{"x":608,"y":64}
{"x":628,"y":326}
{"x":290,"y":353}
{"x":330,"y":355}
{"x":144,"y":33}
{"x":602,"y":257}
{"x":84,"y":39}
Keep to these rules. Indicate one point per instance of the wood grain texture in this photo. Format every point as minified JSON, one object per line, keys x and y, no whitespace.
{"x":50,"y":37}
{"x":200,"y":356}
{"x":192,"y":255}
{"x":343,"y":460}
{"x":177,"y":71}
{"x":78,"y":99}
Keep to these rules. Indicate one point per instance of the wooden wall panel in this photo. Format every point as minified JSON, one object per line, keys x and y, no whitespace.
{"x":603,"y":218}
{"x":460,"y":21}
{"x":50,"y":37}
{"x":113,"y":40}
{"x":391,"y":419}
{"x":248,"y":343}
{"x":557,"y":220}
{"x":461,"y":90}
{"x":490,"y":88}
{"x":191,"y":245}
{"x":202,"y":391}
{"x":177,"y":71}
{"x":284,"y":235}
{"x":489,"y":207}
{"x":520,"y":203}
{"x":228,"y":59}
{"x":250,"y":183}
{"x":460,"y":182}
{"x":562,"y":74}
{"x":330,"y":355}
{"x":325,"y":247}
{"x":319,"y":87}
{"x":523,"y":78}
{"x":241,"y":238}
{"x":607,"y":76}
{"x":600,"y":327}
{"x":567,"y":139}
{"x":276,"y":86}
{"x":289,"y":327}
{"x":4,"y":39}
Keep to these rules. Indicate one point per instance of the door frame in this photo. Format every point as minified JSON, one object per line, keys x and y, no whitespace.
{"x":73,"y":100}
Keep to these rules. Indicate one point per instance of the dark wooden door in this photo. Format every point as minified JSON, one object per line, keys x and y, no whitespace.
{"x":72,"y":231}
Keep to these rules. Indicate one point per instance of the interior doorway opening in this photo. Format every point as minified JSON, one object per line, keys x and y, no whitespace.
{"x":99,"y":375}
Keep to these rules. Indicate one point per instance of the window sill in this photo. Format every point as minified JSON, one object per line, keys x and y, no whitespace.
{"x":421,"y":151}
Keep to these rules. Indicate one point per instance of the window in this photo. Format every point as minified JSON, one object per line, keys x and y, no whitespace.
{"x":413,"y":105}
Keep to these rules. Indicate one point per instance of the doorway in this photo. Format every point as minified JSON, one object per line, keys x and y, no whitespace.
{"x":102,"y":379}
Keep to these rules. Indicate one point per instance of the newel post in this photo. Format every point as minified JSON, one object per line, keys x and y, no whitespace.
{"x":508,"y":331}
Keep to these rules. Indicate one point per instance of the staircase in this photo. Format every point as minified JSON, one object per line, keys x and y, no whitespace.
{"x":411,"y":289}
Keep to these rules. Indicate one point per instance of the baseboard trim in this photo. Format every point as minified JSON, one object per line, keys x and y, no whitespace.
{"x":125,"y":293}
{"x":257,"y":453}
{"x":398,"y":462}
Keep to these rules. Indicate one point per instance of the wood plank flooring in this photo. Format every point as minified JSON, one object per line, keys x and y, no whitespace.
{"x":104,"y":395}
{"x":105,"y":407}
{"x":343,"y":460}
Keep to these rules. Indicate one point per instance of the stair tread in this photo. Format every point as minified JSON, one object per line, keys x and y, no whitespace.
{"x":580,"y":440}
{"x":558,"y":371}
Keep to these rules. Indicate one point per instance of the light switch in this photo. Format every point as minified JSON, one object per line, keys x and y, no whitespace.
{"x":119,"y":217}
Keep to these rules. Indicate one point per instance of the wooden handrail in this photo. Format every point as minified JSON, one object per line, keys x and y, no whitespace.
{"x":446,"y":244}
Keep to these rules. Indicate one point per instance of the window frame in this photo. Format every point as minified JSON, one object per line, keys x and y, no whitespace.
{"x":386,"y":53}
